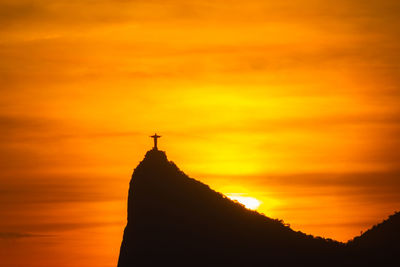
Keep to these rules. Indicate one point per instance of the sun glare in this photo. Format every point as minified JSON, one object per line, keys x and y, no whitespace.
{"x":249,"y":202}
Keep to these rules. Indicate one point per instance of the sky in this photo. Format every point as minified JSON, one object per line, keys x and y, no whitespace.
{"x":292,"y":103}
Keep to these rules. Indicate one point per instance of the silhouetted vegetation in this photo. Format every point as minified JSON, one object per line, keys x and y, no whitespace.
{"x":174,"y":220}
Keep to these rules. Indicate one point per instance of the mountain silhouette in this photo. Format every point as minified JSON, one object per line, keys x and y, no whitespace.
{"x":174,"y":220}
{"x":379,"y":246}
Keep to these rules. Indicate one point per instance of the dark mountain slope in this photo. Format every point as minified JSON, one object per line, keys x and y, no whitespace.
{"x":378,"y":246}
{"x":173,"y":219}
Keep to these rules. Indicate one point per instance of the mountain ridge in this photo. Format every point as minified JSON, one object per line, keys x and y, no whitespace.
{"x":176,"y":219}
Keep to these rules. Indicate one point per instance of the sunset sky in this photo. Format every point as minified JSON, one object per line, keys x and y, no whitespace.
{"x":295,"y":103}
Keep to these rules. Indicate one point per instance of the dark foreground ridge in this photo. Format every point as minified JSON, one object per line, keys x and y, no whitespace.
{"x":174,"y":220}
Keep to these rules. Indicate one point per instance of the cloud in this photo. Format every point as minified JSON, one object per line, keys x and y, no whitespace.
{"x":12,"y":125}
{"x":30,"y":129}
{"x":58,"y":227}
{"x":19,"y":235}
{"x":60,"y":188}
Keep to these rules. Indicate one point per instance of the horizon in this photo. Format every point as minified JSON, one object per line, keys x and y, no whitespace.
{"x":290,"y":107}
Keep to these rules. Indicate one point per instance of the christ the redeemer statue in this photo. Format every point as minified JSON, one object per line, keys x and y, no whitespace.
{"x":155,"y":137}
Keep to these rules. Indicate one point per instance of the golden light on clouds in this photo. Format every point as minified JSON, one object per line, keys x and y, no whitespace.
{"x":293,"y":103}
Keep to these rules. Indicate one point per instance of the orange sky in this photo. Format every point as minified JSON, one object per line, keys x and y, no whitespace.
{"x":294,"y":103}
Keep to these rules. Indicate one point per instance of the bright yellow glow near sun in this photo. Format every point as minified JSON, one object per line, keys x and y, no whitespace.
{"x":249,"y":202}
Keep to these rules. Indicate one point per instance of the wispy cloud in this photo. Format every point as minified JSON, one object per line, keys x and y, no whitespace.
{"x":18,"y":235}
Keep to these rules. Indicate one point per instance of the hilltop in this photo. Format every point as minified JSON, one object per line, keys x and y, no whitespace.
{"x":175,"y":220}
{"x":178,"y":220}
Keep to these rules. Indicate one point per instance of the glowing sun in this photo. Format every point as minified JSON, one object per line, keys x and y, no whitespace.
{"x":249,"y":202}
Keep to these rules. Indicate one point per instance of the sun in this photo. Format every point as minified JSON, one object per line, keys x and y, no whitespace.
{"x":249,"y":202}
